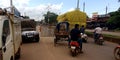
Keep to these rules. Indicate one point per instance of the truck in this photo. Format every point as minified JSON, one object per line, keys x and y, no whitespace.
{"x":10,"y":35}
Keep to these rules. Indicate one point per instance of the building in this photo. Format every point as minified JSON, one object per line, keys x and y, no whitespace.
{"x":97,"y":19}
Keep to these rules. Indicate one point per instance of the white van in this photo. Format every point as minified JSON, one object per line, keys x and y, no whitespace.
{"x":10,"y":40}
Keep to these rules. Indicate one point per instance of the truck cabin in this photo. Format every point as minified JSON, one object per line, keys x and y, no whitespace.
{"x":28,"y":25}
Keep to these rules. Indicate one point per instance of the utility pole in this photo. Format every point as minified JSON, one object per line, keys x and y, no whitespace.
{"x":48,"y":13}
{"x":84,"y":7}
{"x":106,"y":10}
{"x":77,"y":4}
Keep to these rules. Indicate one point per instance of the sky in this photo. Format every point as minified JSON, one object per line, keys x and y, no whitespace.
{"x":36,"y":8}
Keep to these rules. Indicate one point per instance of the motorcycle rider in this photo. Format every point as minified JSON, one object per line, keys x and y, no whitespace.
{"x":75,"y":36}
{"x":97,"y":32}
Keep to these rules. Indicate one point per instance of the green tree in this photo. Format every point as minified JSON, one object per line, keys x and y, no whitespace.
{"x":114,"y":20}
{"x":50,"y":17}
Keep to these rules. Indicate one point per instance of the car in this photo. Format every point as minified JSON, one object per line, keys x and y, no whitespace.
{"x":29,"y":32}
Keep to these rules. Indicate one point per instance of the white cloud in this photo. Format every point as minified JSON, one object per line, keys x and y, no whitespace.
{"x":35,"y":12}
{"x":4,"y":3}
{"x":71,"y":9}
{"x":38,"y":11}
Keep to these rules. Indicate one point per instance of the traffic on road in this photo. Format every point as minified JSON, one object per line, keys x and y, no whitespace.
{"x":45,"y":49}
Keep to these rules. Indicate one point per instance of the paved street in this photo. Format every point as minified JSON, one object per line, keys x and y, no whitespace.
{"x":45,"y":50}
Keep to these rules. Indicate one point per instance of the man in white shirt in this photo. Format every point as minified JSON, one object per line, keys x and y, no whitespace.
{"x":97,"y":31}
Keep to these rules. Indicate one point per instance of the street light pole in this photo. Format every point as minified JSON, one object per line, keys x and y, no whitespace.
{"x":48,"y":13}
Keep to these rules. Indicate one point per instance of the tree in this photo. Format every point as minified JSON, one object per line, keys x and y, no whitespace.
{"x":50,"y":17}
{"x":114,"y":20}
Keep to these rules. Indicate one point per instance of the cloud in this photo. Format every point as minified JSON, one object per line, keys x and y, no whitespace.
{"x":71,"y":9}
{"x":38,"y":11}
{"x":35,"y":12}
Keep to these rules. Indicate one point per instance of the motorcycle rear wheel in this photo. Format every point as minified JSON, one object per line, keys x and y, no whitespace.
{"x":73,"y":53}
{"x":117,"y":53}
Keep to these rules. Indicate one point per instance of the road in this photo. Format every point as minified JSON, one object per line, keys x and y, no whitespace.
{"x":45,"y":50}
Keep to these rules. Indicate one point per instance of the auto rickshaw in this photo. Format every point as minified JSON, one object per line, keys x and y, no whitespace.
{"x":61,"y":32}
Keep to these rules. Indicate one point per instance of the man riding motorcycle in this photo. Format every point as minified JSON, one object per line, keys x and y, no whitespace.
{"x":75,"y":36}
{"x":97,"y":32}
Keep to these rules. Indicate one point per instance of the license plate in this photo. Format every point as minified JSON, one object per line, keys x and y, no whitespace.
{"x":73,"y":47}
{"x":101,"y":38}
{"x":30,"y":36}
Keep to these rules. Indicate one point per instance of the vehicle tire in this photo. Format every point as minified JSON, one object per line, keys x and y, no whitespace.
{"x":23,"y":39}
{"x":37,"y":38}
{"x":101,"y":42}
{"x":117,"y":53}
{"x":11,"y":58}
{"x":73,"y":53}
{"x":18,"y":54}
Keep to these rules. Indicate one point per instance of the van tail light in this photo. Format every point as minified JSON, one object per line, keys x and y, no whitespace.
{"x":1,"y":55}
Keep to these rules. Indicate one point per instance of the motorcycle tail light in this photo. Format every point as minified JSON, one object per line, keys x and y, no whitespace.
{"x":74,"y":43}
{"x":1,"y":55}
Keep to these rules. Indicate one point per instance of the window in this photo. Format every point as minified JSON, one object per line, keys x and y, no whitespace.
{"x":5,"y":31}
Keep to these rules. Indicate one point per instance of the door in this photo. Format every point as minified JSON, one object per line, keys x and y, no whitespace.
{"x":7,"y":42}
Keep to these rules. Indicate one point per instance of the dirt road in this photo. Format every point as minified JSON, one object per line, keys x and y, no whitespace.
{"x":45,"y":50}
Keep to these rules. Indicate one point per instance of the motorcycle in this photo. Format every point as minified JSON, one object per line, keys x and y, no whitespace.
{"x":99,"y":39}
{"x":74,"y":48}
{"x":117,"y":53}
{"x":84,"y":37}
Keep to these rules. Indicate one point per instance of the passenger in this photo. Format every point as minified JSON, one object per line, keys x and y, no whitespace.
{"x":75,"y":36}
{"x":82,"y":29}
{"x":67,"y":25}
{"x":58,"y":27}
{"x":63,"y":26}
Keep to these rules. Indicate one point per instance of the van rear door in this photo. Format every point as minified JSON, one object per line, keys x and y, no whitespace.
{"x":7,"y":43}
